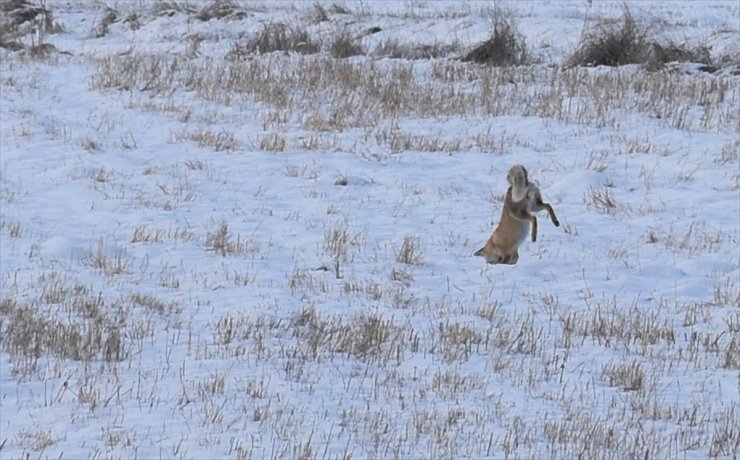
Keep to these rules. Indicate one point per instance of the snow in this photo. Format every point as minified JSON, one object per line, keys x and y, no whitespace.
{"x":291,"y":344}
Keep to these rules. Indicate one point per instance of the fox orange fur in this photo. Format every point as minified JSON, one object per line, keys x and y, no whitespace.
{"x":503,"y":246}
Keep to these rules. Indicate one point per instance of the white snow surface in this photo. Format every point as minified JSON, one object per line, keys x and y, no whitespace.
{"x":267,"y":352}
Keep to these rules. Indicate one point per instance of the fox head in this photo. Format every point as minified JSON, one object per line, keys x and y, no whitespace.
{"x":517,"y":178}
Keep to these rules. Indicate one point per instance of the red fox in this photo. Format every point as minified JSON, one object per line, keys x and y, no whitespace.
{"x":522,"y":199}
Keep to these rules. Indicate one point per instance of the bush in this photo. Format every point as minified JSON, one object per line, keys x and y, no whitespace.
{"x":506,"y":47}
{"x":659,"y":55}
{"x":344,"y":46}
{"x":221,"y":9}
{"x":319,"y":13}
{"x":171,"y":8}
{"x":395,"y":50}
{"x":612,"y":43}
{"x":615,"y":43}
{"x":20,"y":18}
{"x":102,"y":28}
{"x":276,"y":37}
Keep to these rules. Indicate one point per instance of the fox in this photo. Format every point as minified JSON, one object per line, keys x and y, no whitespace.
{"x":522,"y":199}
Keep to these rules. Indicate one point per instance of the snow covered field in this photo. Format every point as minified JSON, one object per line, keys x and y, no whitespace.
{"x":212,"y":252}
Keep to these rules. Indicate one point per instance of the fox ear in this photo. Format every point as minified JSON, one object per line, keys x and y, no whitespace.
{"x":479,"y":252}
{"x":526,"y":179}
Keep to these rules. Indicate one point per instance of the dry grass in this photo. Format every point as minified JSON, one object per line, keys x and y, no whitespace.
{"x":275,"y":37}
{"x":396,"y":50}
{"x":729,"y":154}
{"x":21,"y":18}
{"x":343,"y":45}
{"x":409,"y":253}
{"x":661,"y":54}
{"x":601,"y":200}
{"x":221,"y":242}
{"x":99,"y":259}
{"x":13,"y":229}
{"x":332,"y":95}
{"x":153,"y":303}
{"x":218,"y":141}
{"x":612,"y":43}
{"x":336,"y":244}
{"x":368,"y":338}
{"x":273,"y":143}
{"x":628,"y":377}
{"x":690,"y":239}
{"x":506,"y":47}
{"x":29,"y":334}
{"x":221,"y":9}
{"x":170,"y":8}
{"x":101,"y":28}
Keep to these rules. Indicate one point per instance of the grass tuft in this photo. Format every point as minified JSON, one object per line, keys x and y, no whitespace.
{"x":276,"y":36}
{"x":397,"y":50}
{"x":612,"y":43}
{"x":410,"y":253}
{"x":344,"y":46}
{"x":102,"y":28}
{"x":660,"y":54}
{"x":506,"y":46}
{"x":629,"y":377}
{"x":222,"y":244}
{"x":221,"y":9}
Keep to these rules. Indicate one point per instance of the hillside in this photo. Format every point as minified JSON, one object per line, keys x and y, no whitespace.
{"x":245,"y":230}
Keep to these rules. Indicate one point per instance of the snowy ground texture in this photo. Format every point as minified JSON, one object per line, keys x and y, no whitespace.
{"x":209,"y":251}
